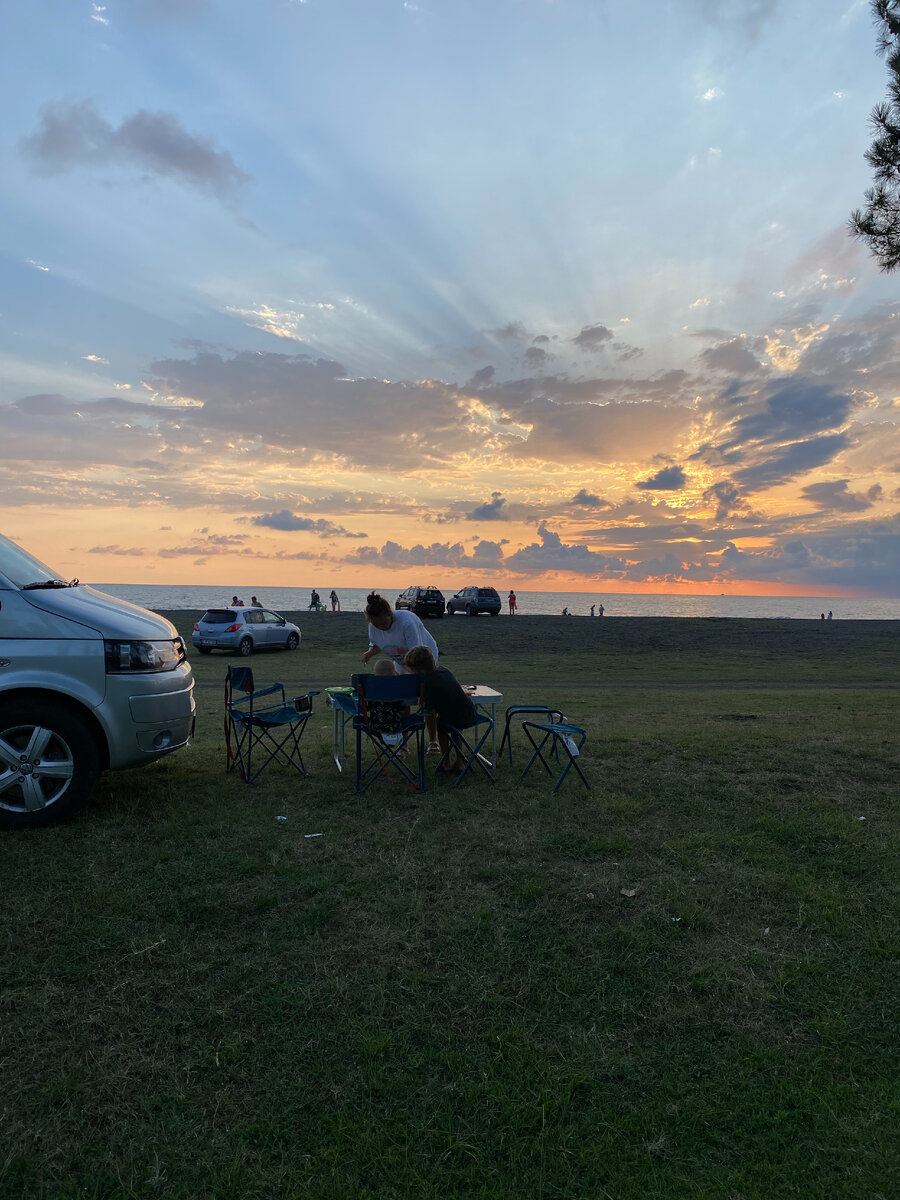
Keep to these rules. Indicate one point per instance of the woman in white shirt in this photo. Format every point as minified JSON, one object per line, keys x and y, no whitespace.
{"x":393,"y":633}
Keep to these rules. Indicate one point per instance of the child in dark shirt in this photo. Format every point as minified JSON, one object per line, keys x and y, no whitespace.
{"x":444,"y":697}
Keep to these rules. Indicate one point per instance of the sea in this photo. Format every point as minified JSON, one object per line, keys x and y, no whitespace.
{"x":166,"y":597}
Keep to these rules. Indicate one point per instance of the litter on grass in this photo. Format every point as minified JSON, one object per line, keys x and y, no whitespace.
{"x":312,"y":835}
{"x":281,"y":818}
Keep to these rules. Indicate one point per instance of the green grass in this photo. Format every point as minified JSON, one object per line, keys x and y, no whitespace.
{"x":448,"y":995}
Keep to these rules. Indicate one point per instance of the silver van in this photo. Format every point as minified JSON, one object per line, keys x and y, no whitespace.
{"x":87,"y":683}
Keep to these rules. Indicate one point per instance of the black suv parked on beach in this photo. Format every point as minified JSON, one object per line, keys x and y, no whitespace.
{"x":423,"y":601}
{"x":475,"y":600}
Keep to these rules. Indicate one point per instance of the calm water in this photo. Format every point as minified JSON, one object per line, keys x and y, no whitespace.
{"x":619,"y":604}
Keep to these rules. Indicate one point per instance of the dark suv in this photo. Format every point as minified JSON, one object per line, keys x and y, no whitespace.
{"x":475,"y":600}
{"x":423,"y":601}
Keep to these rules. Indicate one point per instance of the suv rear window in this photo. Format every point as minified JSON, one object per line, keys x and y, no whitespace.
{"x":489,"y":592}
{"x":219,"y":616}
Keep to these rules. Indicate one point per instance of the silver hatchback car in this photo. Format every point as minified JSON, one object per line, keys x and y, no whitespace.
{"x":244,"y":630}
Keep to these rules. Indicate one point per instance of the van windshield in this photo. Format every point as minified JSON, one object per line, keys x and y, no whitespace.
{"x":23,"y":570}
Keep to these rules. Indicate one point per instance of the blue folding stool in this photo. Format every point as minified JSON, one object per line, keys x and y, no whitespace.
{"x":258,"y":735}
{"x":567,"y":739}
{"x":516,"y":710}
{"x":473,"y":755}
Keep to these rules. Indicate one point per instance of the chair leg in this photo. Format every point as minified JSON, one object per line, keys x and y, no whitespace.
{"x":472,"y":752}
{"x":385,"y":756}
{"x":537,"y":751}
{"x":559,"y":740}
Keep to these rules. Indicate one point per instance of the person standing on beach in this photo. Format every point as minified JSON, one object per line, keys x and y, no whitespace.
{"x":600,"y":610}
{"x":512,"y":602}
{"x":335,"y":603}
{"x":593,"y":606}
{"x":254,"y":603}
{"x":830,"y":615}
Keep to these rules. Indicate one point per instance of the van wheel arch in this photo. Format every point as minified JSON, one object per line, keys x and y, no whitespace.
{"x":75,"y":707}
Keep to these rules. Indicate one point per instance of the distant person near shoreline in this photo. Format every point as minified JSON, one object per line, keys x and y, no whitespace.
{"x":335,"y":603}
{"x":513,"y":604}
{"x":600,"y":610}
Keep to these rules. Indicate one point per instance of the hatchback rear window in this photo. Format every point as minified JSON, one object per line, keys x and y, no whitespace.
{"x":219,"y":616}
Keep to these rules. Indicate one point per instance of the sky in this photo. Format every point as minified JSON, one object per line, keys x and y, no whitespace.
{"x":555,"y":294}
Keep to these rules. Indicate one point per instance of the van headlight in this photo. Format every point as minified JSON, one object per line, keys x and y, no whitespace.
{"x":122,"y":657}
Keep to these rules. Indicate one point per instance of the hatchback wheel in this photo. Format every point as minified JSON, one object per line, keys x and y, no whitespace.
{"x":293,"y":642}
{"x":49,"y":763}
{"x":246,"y":647}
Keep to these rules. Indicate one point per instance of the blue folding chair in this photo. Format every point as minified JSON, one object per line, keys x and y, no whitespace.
{"x":567,"y":741}
{"x":469,"y":748}
{"x":516,"y":710}
{"x":390,"y":719}
{"x":258,"y":735}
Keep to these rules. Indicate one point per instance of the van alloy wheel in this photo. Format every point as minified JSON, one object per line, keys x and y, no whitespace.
{"x":49,"y":763}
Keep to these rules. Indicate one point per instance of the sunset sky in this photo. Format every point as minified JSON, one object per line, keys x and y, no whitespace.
{"x":556,"y":293}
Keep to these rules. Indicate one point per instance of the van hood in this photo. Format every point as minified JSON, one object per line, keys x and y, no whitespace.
{"x":107,"y":615}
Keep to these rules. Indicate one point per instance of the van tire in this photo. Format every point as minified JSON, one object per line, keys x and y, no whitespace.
{"x":31,"y":729}
{"x":245,"y":648}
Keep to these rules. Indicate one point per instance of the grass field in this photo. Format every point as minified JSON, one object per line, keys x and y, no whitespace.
{"x":682,"y":983}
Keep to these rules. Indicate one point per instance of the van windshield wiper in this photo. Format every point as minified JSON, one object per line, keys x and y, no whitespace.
{"x":49,"y":583}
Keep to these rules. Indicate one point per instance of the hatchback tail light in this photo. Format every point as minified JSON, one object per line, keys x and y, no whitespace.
{"x":232,"y":628}
{"x":196,"y":627}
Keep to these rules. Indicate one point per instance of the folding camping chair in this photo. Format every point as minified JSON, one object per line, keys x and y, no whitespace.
{"x":391,"y":717}
{"x":469,"y":748}
{"x":257,"y":735}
